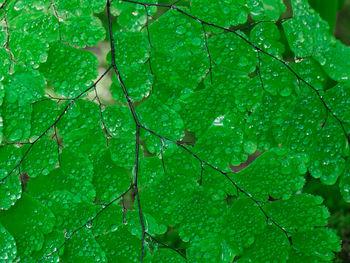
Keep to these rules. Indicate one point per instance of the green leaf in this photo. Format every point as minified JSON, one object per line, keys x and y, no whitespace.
{"x":299,"y":213}
{"x":134,"y":66}
{"x":225,"y":13}
{"x":44,"y":113}
{"x":91,"y":253}
{"x":86,"y":141}
{"x":120,"y":246}
{"x":10,"y":189}
{"x":83,"y":115}
{"x":227,"y":52}
{"x":215,"y":183}
{"x":198,"y":215}
{"x":108,"y":174}
{"x":219,"y":100}
{"x":150,"y":113}
{"x":8,"y":249}
{"x":109,"y":220}
{"x":209,"y":249}
{"x":120,"y":125}
{"x":327,"y":10}
{"x":242,"y":221}
{"x":77,"y":7}
{"x":269,"y":246}
{"x":70,"y":210}
{"x":152,"y":226}
{"x":270,"y":175}
{"x":332,"y":56}
{"x":177,"y":183}
{"x":312,"y":72}
{"x":63,"y":60}
{"x":130,"y":16}
{"x":267,"y":36}
{"x":28,"y":48}
{"x":78,"y":178}
{"x":164,"y":255}
{"x":315,"y":246}
{"x":3,"y":55}
{"x":41,"y":159}
{"x":273,"y":111}
{"x":327,"y":161}
{"x":344,"y":183}
{"x":337,"y":98}
{"x":29,"y":233}
{"x":310,"y":27}
{"x":275,"y":78}
{"x":59,"y":180}
{"x":51,"y":245}
{"x":6,"y":63}
{"x":123,"y":149}
{"x":266,"y":9}
{"x":118,"y":120}
{"x":23,"y":89}
{"x":314,"y":40}
{"x":181,"y":72}
{"x":222,"y":144}
{"x":82,"y":31}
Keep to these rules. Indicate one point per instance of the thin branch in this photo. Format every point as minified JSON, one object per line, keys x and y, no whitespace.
{"x":114,"y":66}
{"x":51,"y":98}
{"x":138,"y":126}
{"x":201,"y":178}
{"x":147,"y":27}
{"x":257,"y":202}
{"x":137,"y":191}
{"x":162,"y":155}
{"x":16,"y":143}
{"x":124,"y":212}
{"x":58,"y":19}
{"x":58,"y":145}
{"x":258,"y":49}
{"x":167,"y":246}
{"x":54,"y":124}
{"x":3,"y":4}
{"x":104,"y":127}
{"x":262,"y":21}
{"x":208,"y":53}
{"x":7,"y":43}
{"x":149,"y":41}
{"x":88,"y":222}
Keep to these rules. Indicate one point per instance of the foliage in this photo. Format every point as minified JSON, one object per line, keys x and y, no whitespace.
{"x":221,"y":110}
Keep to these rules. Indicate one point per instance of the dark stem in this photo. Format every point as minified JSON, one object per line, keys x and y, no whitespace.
{"x":201,"y":178}
{"x":137,"y":191}
{"x":137,"y":123}
{"x":3,"y":4}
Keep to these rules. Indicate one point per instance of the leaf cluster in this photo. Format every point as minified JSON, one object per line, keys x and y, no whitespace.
{"x":219,"y":112}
